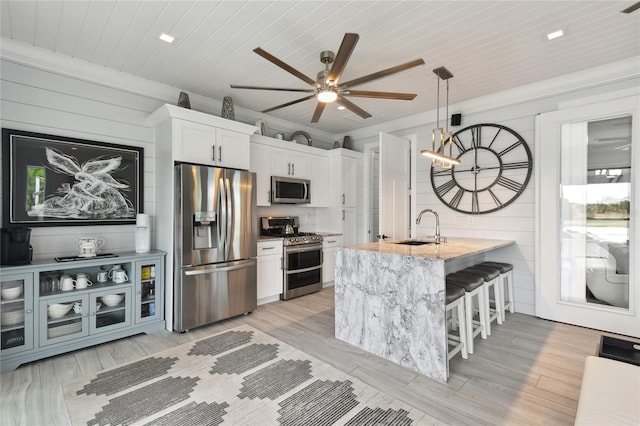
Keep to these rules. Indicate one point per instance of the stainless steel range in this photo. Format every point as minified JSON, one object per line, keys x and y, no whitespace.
{"x":302,"y":257}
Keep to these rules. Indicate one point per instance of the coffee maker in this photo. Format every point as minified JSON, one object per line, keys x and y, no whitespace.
{"x":16,"y":247}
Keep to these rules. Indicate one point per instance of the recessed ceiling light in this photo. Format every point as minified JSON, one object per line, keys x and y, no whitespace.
{"x":341,"y":108}
{"x":167,"y":38}
{"x":555,"y":34}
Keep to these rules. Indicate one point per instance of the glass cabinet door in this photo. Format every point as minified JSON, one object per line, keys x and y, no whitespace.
{"x":110,"y":309}
{"x":148,"y":291}
{"x":63,"y":318}
{"x":16,"y":313}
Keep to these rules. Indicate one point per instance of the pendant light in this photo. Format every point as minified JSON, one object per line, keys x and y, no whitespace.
{"x":441,"y":141}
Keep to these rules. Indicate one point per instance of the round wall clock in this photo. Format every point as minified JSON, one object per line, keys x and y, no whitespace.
{"x":495,"y":167}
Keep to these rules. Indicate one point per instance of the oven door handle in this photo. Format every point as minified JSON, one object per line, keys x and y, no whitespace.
{"x":303,"y":249}
{"x":297,"y":271}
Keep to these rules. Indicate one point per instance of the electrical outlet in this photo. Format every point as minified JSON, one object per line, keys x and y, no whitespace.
{"x":470,"y":220}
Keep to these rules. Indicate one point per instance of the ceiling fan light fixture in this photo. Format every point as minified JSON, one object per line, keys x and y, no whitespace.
{"x":327,"y":96}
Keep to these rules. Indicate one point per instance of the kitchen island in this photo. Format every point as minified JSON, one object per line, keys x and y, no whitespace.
{"x":390,"y":298}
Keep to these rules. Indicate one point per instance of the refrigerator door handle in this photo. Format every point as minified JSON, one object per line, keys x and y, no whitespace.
{"x":242,"y":265}
{"x":230,"y":215}
{"x":221,"y":224}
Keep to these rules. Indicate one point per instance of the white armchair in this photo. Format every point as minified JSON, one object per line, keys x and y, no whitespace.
{"x":602,"y":279}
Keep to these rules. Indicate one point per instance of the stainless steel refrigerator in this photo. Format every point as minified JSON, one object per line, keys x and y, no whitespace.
{"x":215,"y":274}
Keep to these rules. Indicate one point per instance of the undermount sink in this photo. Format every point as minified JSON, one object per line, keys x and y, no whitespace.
{"x":415,"y":243}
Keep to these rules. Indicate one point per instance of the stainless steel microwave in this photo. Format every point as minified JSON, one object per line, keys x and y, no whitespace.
{"x":288,"y":190}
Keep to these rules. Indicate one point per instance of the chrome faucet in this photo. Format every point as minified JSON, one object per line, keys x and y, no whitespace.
{"x":437,"y":241}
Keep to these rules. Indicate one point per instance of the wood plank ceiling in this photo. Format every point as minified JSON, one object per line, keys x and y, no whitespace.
{"x":489,"y":46}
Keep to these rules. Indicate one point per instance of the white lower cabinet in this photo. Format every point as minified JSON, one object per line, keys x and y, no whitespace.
{"x":270,"y":278}
{"x":329,"y":245}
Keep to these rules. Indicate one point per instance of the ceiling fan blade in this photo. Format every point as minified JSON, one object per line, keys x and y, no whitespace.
{"x":352,"y":107}
{"x":631,"y":8}
{"x":318,"y":112}
{"x":279,"y":89}
{"x":340,"y":62}
{"x":290,"y":103}
{"x":288,"y":68}
{"x":380,"y":95}
{"x":384,"y":73}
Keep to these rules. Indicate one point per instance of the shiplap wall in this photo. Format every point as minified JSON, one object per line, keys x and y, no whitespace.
{"x":46,"y":102}
{"x":514,"y":222}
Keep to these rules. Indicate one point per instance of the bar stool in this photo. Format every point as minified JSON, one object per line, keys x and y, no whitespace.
{"x":506,"y":273}
{"x":455,"y":299}
{"x":490,"y":274}
{"x":473,"y":287}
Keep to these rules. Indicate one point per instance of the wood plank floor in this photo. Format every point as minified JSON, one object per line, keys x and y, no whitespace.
{"x":528,"y":372}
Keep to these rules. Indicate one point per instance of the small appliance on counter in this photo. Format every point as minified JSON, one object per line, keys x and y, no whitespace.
{"x":143,"y":233}
{"x":16,"y":247}
{"x":302,"y":255}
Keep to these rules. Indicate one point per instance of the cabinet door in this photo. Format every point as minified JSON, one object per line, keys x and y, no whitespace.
{"x":329,"y":246}
{"x":281,"y":164}
{"x":194,"y":142}
{"x":261,"y":166}
{"x":233,"y":149}
{"x":16,"y":313}
{"x":349,"y":226}
{"x":349,"y":182}
{"x":319,"y":176}
{"x":270,"y":278}
{"x":149,"y":292}
{"x":109,"y":309}
{"x":301,"y":164}
{"x":64,"y":318}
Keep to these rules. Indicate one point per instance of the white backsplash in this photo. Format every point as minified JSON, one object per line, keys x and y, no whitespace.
{"x":307,"y":215}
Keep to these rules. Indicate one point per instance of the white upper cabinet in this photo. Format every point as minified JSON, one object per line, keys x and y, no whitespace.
{"x":203,"y":138}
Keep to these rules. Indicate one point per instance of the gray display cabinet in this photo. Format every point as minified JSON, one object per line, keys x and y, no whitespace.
{"x":32,"y":327}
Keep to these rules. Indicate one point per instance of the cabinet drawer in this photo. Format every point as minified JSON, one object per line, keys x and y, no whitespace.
{"x":332,"y":241}
{"x":267,"y":248}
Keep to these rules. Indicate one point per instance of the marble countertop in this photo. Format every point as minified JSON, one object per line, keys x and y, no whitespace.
{"x":454,"y":248}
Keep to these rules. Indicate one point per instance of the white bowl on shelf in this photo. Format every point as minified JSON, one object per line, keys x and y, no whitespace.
{"x":58,"y":310}
{"x":112,"y":299}
{"x":10,"y":293}
{"x":12,"y":315}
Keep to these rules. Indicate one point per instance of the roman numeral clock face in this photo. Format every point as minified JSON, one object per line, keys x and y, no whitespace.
{"x":495,"y":167}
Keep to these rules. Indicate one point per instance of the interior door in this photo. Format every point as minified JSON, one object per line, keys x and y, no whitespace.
{"x":587,"y":187}
{"x":394,"y":181}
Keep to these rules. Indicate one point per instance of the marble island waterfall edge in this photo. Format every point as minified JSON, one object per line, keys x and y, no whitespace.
{"x":393,"y":306}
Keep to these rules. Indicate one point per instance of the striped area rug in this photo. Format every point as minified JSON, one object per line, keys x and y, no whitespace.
{"x":238,"y":377}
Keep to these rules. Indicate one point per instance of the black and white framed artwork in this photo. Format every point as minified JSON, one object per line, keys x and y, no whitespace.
{"x":52,"y":181}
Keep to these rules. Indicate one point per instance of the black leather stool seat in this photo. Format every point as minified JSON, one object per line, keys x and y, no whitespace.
{"x":487,"y":272}
{"x":465,"y":281}
{"x":453,"y":293}
{"x":504,"y":267}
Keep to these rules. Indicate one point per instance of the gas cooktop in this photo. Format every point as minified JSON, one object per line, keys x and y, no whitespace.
{"x":287,"y":228}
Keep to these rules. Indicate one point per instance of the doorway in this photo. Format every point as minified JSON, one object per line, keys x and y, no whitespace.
{"x":398,"y":167}
{"x":587,"y":183}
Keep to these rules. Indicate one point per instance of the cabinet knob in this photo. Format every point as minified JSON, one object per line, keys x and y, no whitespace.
{"x":213,"y":153}
{"x":29,"y":311}
{"x":293,"y":169}
{"x":93,"y":314}
{"x":220,"y":153}
{"x":343,"y":199}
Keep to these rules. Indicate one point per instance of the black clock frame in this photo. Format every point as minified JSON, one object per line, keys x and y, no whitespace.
{"x":476,"y":143}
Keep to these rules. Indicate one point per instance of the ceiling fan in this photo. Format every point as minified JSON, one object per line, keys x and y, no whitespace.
{"x":327,"y":87}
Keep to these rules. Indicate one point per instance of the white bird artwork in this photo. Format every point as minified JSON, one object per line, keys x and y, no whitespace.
{"x":94,"y":195}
